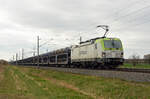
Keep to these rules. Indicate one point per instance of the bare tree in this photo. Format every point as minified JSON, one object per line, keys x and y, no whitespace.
{"x":147,"y":58}
{"x":135,"y":59}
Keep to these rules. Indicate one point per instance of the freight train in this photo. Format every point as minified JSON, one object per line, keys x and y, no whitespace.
{"x":101,"y":52}
{"x":94,"y":53}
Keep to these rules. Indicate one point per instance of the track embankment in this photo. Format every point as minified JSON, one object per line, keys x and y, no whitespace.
{"x":133,"y":70}
{"x":124,"y":74}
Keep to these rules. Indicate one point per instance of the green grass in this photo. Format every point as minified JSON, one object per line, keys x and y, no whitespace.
{"x":31,"y":83}
{"x":128,"y":65}
{"x":107,"y":88}
{"x":28,"y":86}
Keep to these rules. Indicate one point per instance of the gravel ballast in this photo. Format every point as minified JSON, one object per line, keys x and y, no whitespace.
{"x":129,"y":76}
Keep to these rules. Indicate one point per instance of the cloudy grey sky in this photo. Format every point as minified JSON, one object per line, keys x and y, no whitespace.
{"x":61,"y":22}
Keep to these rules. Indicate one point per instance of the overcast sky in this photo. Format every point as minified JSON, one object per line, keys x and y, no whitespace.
{"x":60,"y":23}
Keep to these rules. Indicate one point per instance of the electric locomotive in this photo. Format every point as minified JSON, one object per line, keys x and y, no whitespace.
{"x":98,"y":52}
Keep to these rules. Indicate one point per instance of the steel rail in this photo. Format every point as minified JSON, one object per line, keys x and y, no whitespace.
{"x":115,"y":69}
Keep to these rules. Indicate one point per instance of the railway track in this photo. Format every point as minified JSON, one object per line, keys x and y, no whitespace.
{"x":132,"y":70}
{"x":116,"y":69}
{"x":129,"y":74}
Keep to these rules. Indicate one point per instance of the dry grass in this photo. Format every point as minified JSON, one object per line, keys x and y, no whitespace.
{"x":40,"y":87}
{"x":67,"y":85}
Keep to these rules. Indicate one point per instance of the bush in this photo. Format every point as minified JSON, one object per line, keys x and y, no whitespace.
{"x":3,"y":62}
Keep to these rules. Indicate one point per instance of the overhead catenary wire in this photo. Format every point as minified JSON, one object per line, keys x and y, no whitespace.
{"x":46,"y":42}
{"x":132,"y":13}
{"x":135,"y":25}
{"x":129,"y":14}
{"x":127,"y":7}
{"x":132,"y":4}
{"x":144,"y":16}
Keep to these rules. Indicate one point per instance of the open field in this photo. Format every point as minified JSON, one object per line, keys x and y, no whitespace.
{"x":31,"y":83}
{"x":142,"y":66}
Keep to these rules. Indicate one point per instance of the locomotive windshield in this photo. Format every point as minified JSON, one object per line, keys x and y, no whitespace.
{"x":112,"y":44}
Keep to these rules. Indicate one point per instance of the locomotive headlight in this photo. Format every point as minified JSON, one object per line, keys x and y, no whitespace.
{"x":103,"y":54}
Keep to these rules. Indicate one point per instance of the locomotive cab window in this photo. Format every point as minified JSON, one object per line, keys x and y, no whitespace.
{"x":112,"y":44}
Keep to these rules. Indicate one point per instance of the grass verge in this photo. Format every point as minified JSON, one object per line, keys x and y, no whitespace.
{"x":140,"y":66}
{"x":95,"y":87}
{"x":23,"y":85}
{"x":31,"y":83}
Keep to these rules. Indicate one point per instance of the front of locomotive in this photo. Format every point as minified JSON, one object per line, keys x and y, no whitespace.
{"x":112,"y":51}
